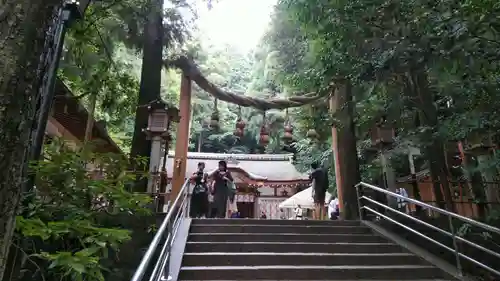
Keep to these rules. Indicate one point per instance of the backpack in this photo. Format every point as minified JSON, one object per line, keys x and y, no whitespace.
{"x":201,"y":187}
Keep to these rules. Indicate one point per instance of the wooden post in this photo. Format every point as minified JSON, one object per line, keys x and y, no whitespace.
{"x":90,"y":119}
{"x":334,"y":107}
{"x":182,"y":137}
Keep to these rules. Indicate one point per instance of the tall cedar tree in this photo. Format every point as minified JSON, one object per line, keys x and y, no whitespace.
{"x":23,"y":28}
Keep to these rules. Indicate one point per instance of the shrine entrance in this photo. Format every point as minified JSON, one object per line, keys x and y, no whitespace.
{"x":338,"y":94}
{"x":263,"y":181}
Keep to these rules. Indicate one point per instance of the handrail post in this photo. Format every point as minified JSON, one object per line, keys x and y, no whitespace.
{"x":452,"y":232}
{"x":167,"y":225}
{"x":360,"y":207}
{"x":455,"y":246}
{"x":166,"y":269}
{"x":187,"y":206}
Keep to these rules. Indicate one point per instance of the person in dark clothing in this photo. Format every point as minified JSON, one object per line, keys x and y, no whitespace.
{"x":319,"y":177}
{"x":221,"y":178}
{"x":199,"y":197}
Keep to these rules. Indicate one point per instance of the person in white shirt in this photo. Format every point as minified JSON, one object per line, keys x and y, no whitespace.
{"x":333,"y":208}
{"x":298,"y":212}
{"x":401,"y":202}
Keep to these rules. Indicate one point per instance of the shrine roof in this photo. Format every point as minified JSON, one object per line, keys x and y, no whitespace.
{"x":262,"y":167}
{"x":72,"y":115}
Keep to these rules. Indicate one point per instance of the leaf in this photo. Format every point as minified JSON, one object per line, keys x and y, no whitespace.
{"x":87,"y":252}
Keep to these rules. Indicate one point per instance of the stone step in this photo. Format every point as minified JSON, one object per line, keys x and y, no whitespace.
{"x":284,"y":237}
{"x":256,"y":228}
{"x":384,"y":272}
{"x":298,"y":259}
{"x":284,"y":247}
{"x":274,"y":222}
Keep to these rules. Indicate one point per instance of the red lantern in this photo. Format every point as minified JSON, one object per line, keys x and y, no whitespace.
{"x":288,"y":135}
{"x":264,"y":135}
{"x":264,"y":140}
{"x":238,"y":132}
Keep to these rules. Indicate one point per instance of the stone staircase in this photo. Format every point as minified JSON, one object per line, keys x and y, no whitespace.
{"x":245,"y":249}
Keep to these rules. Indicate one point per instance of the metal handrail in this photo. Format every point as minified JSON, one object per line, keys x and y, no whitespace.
{"x":166,"y":232}
{"x":458,"y":255}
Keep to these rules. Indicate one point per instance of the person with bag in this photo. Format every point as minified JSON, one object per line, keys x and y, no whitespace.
{"x":223,"y":189}
{"x":232,"y":206}
{"x":199,"y":197}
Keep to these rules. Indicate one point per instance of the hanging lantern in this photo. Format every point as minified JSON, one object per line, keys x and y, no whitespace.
{"x":288,"y":134}
{"x":287,"y":137}
{"x":240,"y":125}
{"x":238,"y":132}
{"x":214,"y":120}
{"x":312,"y":134}
{"x":264,"y":140}
{"x":264,"y":132}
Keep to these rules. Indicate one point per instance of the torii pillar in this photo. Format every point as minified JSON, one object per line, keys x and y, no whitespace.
{"x":182,"y":137}
{"x":345,"y":151}
{"x":335,"y":149}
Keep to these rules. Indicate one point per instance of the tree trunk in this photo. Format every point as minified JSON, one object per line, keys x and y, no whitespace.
{"x":23,"y":27}
{"x":90,"y":119}
{"x":418,"y":87}
{"x":150,"y":86}
{"x":347,"y":151}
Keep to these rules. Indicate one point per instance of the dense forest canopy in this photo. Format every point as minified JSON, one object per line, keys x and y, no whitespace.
{"x":305,"y":49}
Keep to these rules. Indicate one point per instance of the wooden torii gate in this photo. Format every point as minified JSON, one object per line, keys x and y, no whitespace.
{"x":343,"y":137}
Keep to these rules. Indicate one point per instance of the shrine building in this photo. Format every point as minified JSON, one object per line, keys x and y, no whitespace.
{"x":263,"y":181}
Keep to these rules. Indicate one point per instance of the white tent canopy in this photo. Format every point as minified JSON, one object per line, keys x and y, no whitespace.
{"x":303,"y":198}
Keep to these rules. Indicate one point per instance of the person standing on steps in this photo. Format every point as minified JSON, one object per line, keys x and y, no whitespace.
{"x":199,"y":197}
{"x":319,"y":178}
{"x":222,"y":181}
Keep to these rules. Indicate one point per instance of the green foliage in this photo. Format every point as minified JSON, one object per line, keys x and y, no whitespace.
{"x":236,"y":72}
{"x":381,"y":47}
{"x":309,"y":152}
{"x":61,"y":218}
{"x":102,"y":58}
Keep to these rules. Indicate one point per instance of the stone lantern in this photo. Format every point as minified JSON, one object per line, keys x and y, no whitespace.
{"x":382,"y":134}
{"x":161,"y":115}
